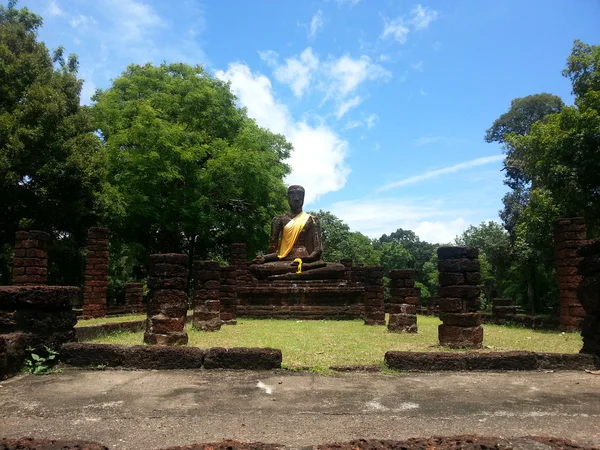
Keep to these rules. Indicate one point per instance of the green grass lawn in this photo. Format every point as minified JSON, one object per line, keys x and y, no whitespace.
{"x":328,"y":343}
{"x":101,"y":320}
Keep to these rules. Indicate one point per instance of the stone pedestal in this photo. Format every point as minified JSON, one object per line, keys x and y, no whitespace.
{"x":569,"y":237}
{"x":228,"y":295}
{"x":459,"y":292}
{"x":167,"y":307}
{"x":134,"y":297}
{"x":207,"y":306}
{"x":372,"y":277}
{"x":403,"y":301}
{"x":589,"y":296}
{"x":503,"y":308}
{"x":30,"y":265}
{"x":34,"y":316}
{"x":96,"y":273}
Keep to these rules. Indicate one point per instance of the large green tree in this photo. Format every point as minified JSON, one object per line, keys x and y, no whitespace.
{"x":188,"y":170}
{"x":51,"y":164}
{"x":420,"y":251}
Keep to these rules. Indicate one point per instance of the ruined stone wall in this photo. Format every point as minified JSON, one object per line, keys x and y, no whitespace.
{"x":228,"y":295}
{"x":96,"y":273}
{"x":503,"y":308}
{"x":237,"y":259}
{"x":34,"y":316}
{"x":404,"y":297}
{"x":372,"y":278}
{"x":459,"y":292}
{"x":588,"y":293}
{"x":569,"y":237}
{"x":30,"y":264}
{"x":134,"y":297}
{"x":167,"y":308}
{"x":207,"y":307}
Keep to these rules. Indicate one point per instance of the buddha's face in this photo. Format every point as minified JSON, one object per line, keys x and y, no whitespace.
{"x":296,"y":199}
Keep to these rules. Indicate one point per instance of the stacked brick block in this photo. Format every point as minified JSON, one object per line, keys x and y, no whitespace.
{"x":459,"y":278}
{"x":228,"y":295}
{"x":96,"y":273}
{"x":34,"y":316}
{"x":167,"y":308}
{"x":134,"y":297}
{"x":237,"y":259}
{"x":30,"y":265}
{"x":372,"y":278}
{"x":589,"y":296}
{"x":404,"y":297}
{"x":503,"y":308}
{"x":207,"y":307}
{"x":569,"y":237}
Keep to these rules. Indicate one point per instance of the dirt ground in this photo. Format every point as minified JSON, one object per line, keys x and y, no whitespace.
{"x":157,"y":409}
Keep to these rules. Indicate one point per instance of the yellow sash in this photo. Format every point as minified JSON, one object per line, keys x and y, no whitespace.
{"x":290,"y":233}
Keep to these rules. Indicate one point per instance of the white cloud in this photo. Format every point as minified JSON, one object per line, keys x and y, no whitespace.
{"x":54,"y":10}
{"x":82,"y":21}
{"x":316,"y":24}
{"x":395,"y":29}
{"x":311,"y":143}
{"x":417,"y":67}
{"x":347,"y":73}
{"x":446,"y":170}
{"x":433,"y":221}
{"x":422,"y":17}
{"x":384,"y":58}
{"x":347,"y":106}
{"x":297,"y":72}
{"x":269,"y":56}
{"x":368,"y":122}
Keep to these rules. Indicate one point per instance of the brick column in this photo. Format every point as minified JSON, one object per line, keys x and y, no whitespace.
{"x":374,"y":305}
{"x":228,"y":295}
{"x":589,"y":296}
{"x":459,"y":292}
{"x":167,"y":308}
{"x":569,"y":237}
{"x":96,"y":273}
{"x":134,"y":297}
{"x":403,"y":301}
{"x":237,"y":259}
{"x":503,"y":308}
{"x":347,"y":262}
{"x":207,"y":307}
{"x":30,"y":265}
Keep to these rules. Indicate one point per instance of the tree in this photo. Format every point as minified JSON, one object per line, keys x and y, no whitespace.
{"x":188,"y":170}
{"x":51,"y":164}
{"x":420,"y":251}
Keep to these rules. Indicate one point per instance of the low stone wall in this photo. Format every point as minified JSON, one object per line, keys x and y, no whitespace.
{"x":87,"y":333}
{"x":159,"y":357}
{"x":300,"y":312}
{"x":533,"y":322}
{"x":491,"y":361}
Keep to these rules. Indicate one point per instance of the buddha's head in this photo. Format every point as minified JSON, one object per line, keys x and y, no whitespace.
{"x":295,"y":198}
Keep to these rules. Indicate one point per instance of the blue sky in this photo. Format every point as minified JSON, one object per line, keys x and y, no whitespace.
{"x":386,"y":102}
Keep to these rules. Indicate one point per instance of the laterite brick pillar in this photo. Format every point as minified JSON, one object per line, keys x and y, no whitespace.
{"x":589,"y":295}
{"x":374,"y":305}
{"x":207,"y":307}
{"x":403,"y":302}
{"x":459,"y":292}
{"x":503,"y":308}
{"x":167,"y":307}
{"x":228,"y":295}
{"x":134,"y":297}
{"x":30,"y":265}
{"x":237,"y":259}
{"x":569,"y":237}
{"x":96,"y":273}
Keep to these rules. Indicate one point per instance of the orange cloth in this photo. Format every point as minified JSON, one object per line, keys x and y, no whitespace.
{"x":290,"y":234}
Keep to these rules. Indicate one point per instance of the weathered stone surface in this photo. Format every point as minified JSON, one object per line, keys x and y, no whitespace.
{"x":175,"y":338}
{"x":402,"y":274}
{"x":156,"y":283}
{"x":169,"y":258}
{"x":464,"y":292}
{"x":460,"y":337}
{"x":27,"y":443}
{"x":457,"y":252}
{"x":45,"y":298}
{"x":458,"y":265}
{"x":243,"y":358}
{"x":460,"y":319}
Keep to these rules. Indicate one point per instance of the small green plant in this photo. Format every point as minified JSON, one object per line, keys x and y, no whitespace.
{"x":41,"y":365}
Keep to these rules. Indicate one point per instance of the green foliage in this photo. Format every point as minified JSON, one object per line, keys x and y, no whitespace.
{"x":420,"y":251}
{"x":41,"y":364}
{"x":51,"y":164}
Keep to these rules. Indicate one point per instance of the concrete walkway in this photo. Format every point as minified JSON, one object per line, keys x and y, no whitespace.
{"x":156,"y":409}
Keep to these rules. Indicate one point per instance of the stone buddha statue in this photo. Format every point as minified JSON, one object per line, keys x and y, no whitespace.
{"x":295,"y":246}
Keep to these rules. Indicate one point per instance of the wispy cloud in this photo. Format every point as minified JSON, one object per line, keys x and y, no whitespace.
{"x":297,"y":72}
{"x":368,"y":122}
{"x":417,"y":67}
{"x":395,"y":29}
{"x":439,"y":172}
{"x":399,"y":28}
{"x":316,"y":24}
{"x":422,"y":17}
{"x":54,"y":10}
{"x":347,"y":106}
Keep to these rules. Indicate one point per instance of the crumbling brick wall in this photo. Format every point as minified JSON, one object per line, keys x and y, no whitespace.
{"x":30,"y":264}
{"x":504,"y":309}
{"x":207,"y":307}
{"x":404,"y":297}
{"x":569,"y":237}
{"x":588,"y":293}
{"x":459,"y":292}
{"x":228,"y":295}
{"x":167,"y":309}
{"x":96,"y":273}
{"x":134,"y":297}
{"x":372,"y":278}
